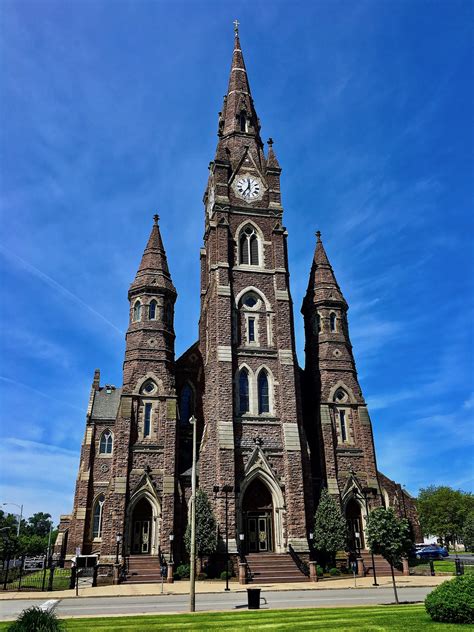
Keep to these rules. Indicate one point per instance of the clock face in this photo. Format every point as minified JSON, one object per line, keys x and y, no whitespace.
{"x":248,"y":187}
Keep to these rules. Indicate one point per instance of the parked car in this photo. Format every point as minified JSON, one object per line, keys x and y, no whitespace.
{"x":430,"y":551}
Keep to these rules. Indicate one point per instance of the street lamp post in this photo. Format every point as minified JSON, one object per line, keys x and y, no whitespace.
{"x":118,"y":540}
{"x":226,"y":489}
{"x":20,"y":507}
{"x":192,"y":574}
{"x":365,"y":492}
{"x":171,"y":547}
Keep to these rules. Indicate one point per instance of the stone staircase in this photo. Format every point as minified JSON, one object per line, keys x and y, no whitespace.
{"x":382,"y":567}
{"x":143,"y":569}
{"x":272,"y":568}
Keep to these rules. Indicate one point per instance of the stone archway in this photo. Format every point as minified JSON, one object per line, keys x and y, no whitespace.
{"x":142,"y":532}
{"x":257,"y":518}
{"x":355,"y":524}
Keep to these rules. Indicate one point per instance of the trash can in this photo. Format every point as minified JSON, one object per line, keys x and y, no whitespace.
{"x":253,"y":598}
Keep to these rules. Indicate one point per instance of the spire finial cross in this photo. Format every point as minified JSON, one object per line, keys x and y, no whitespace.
{"x":156,"y":217}
{"x":318,"y":235}
{"x":236,"y":26}
{"x":270,"y":142}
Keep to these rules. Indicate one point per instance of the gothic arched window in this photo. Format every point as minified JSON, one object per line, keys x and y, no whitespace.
{"x":152,"y":310}
{"x":243,"y":122}
{"x":137,"y":311}
{"x":263,"y":393}
{"x":244,"y":391}
{"x":332,"y":321}
{"x":248,"y":246}
{"x":320,"y":323}
{"x":97,"y":516}
{"x":186,"y":403}
{"x":106,"y":443}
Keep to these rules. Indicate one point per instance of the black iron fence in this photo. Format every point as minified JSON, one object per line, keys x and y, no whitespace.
{"x":35,"y":574}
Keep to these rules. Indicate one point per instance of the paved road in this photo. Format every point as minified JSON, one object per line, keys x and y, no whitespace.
{"x":84,"y":606}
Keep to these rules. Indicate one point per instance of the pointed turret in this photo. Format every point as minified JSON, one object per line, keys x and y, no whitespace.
{"x":272,"y":161}
{"x":322,"y":286}
{"x":153,"y":271}
{"x":150,"y":334}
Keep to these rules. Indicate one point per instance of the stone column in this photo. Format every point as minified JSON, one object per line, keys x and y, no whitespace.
{"x":313,"y":571}
{"x":242,"y":573}
{"x":406,"y":569}
{"x":169,"y":577}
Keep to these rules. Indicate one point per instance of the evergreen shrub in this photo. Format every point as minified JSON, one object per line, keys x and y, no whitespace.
{"x":36,"y":620}
{"x":452,"y":601}
{"x":334,"y":572}
{"x":183,"y":571}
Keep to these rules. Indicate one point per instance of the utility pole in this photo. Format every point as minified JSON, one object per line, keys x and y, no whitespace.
{"x":192,"y":561}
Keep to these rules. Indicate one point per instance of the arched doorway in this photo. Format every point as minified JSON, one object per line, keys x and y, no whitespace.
{"x":257,"y":514}
{"x":142,"y":518}
{"x":355,"y":524}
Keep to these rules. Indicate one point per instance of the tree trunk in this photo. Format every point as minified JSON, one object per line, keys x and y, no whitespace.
{"x":394,"y":584}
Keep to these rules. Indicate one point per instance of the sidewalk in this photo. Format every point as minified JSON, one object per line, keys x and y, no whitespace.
{"x":182,"y":587}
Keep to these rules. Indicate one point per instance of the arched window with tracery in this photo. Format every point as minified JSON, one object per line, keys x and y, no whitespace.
{"x":137,"y":311}
{"x":244,"y":403}
{"x":106,"y":443}
{"x":97,"y":516}
{"x":152,"y":310}
{"x":186,"y":403}
{"x":263,"y":393}
{"x":248,"y":246}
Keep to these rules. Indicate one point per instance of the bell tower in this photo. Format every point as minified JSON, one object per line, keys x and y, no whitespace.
{"x":252,"y":401}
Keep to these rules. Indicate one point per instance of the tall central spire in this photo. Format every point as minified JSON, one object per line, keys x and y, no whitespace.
{"x":239,"y":116}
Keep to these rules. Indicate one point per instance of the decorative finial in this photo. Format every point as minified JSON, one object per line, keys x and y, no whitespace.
{"x":318,"y":235}
{"x":270,"y":142}
{"x":236,"y":27}
{"x":156,"y":217}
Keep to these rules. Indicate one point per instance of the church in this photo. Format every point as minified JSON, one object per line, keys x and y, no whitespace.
{"x":271,"y":434}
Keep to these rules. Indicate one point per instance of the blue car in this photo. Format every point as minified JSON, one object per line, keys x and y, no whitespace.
{"x":431,"y":552}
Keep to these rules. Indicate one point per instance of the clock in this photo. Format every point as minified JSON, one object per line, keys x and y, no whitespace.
{"x":248,"y":187}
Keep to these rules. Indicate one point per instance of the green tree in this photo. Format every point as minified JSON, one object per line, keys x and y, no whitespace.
{"x":330,"y":529}
{"x":389,"y":536}
{"x":206,"y":531}
{"x":39,"y":524}
{"x":442,"y":511}
{"x":468,"y":532}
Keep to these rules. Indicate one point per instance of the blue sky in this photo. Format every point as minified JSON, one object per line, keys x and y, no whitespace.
{"x":109,"y":114}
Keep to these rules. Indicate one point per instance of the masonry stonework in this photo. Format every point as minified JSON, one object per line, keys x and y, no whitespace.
{"x":275,"y":434}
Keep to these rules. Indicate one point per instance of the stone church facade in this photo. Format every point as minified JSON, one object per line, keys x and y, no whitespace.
{"x":270,"y":431}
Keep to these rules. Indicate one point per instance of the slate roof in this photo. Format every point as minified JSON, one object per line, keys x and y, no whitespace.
{"x":106,"y":404}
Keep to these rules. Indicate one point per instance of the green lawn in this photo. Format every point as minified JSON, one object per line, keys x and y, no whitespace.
{"x":371,"y":618}
{"x":441,"y":566}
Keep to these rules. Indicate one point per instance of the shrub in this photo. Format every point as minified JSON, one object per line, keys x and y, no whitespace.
{"x":224,"y":575}
{"x":334,"y":572}
{"x":183,"y":571}
{"x":201,"y":576}
{"x":452,"y":601}
{"x":319,"y":571}
{"x":36,"y":620}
